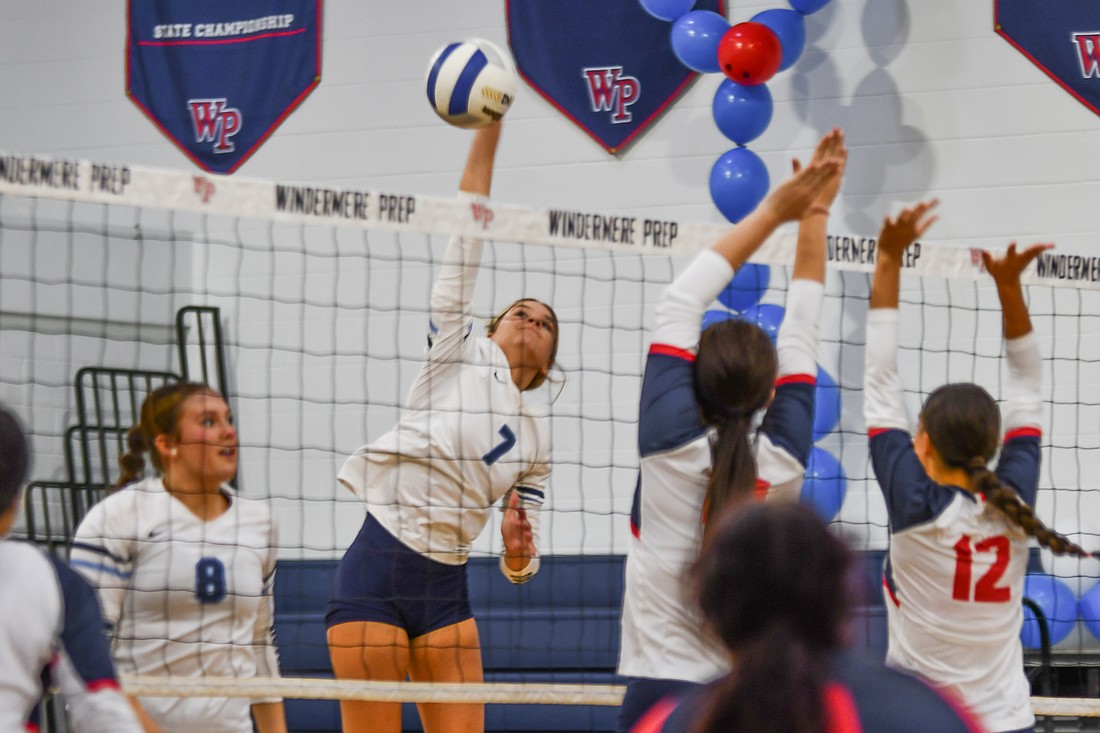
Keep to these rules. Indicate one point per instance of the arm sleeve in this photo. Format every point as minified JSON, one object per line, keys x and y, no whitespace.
{"x":104,"y":555}
{"x":786,"y":433}
{"x":263,"y":630}
{"x":1023,"y":402}
{"x":680,"y":312}
{"x":452,"y":293}
{"x":883,"y":404}
{"x":800,"y":333}
{"x":83,"y":668}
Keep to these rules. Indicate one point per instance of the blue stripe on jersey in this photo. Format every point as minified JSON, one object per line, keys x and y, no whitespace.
{"x":100,"y":567}
{"x":82,"y":633}
{"x":636,"y":509}
{"x":1018,"y":466}
{"x":531,"y":493}
{"x":911,"y":497}
{"x":668,"y":416}
{"x":99,"y":551}
{"x":789,"y":421}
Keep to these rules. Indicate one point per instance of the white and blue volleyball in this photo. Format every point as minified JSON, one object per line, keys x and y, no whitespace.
{"x":471,"y":83}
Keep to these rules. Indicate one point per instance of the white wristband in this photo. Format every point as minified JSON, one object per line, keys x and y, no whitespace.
{"x":519,"y":577}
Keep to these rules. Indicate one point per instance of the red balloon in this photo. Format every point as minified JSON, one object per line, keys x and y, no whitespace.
{"x":750,"y":53}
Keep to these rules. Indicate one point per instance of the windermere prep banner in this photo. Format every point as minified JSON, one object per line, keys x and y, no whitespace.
{"x":218,"y":78}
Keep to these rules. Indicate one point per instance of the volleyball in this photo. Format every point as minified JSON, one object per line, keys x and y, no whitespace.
{"x":471,"y":83}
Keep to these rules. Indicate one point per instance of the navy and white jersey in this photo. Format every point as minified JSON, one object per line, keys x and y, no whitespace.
{"x":184,"y":596}
{"x":51,"y":631}
{"x":861,"y":697}
{"x":465,"y":439}
{"x":955,"y":573}
{"x":661,"y":630}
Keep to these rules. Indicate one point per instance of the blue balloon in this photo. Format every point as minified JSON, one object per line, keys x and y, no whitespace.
{"x":667,"y":9}
{"x":742,"y":113}
{"x":767,"y":316}
{"x":826,"y":404}
{"x":806,"y":7}
{"x":1058,"y":604}
{"x":716,"y":315}
{"x":790,"y":27}
{"x":1089,"y":610}
{"x":738,"y":182}
{"x":695,"y":38}
{"x":746,"y":288}
{"x":825,"y":485}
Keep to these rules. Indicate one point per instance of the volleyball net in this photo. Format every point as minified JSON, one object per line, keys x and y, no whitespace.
{"x":308,"y":307}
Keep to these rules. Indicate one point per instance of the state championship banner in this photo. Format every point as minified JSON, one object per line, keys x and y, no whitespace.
{"x":218,"y":78}
{"x":1061,"y":37}
{"x":607,"y":65}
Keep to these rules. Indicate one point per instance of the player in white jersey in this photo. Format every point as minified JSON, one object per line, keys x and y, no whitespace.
{"x":774,"y":584}
{"x":50,"y":627}
{"x":185,"y":567}
{"x":700,"y":395}
{"x":959,"y":532}
{"x":467,"y":440}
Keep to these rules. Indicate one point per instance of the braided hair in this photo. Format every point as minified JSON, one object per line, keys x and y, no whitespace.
{"x":734,"y":376}
{"x":160,"y":414}
{"x":964,"y":424}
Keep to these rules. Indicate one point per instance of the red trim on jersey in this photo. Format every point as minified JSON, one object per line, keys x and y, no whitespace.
{"x":635,"y":531}
{"x":760,"y":491}
{"x":669,"y":350}
{"x":872,"y":432}
{"x":890,"y":592}
{"x":1028,"y":432}
{"x":956,"y":703}
{"x":656,"y":717}
{"x":32,"y":728}
{"x":104,"y":684}
{"x":840,"y":709}
{"x":796,"y":379}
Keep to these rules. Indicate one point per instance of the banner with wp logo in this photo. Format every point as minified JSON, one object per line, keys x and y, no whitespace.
{"x":1061,"y":37}
{"x":607,"y":65}
{"x":218,"y":78}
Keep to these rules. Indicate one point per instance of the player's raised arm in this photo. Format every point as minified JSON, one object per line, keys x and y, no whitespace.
{"x":1006,"y":271}
{"x":895,"y":237}
{"x":809,"y":259}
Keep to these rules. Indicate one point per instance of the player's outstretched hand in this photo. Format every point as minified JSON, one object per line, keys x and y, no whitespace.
{"x":831,"y":147}
{"x":791,"y":199}
{"x":515,"y":528}
{"x":907,"y":227}
{"x":1007,"y":268}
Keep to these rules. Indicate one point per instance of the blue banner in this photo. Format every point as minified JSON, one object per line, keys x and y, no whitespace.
{"x":1061,"y":37}
{"x":217,"y":78}
{"x":607,"y":65}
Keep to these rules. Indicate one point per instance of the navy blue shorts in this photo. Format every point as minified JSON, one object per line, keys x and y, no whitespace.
{"x":643,"y":693}
{"x":380,"y":579}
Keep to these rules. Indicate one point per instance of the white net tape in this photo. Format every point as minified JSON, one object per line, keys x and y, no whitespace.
{"x":534,"y":694}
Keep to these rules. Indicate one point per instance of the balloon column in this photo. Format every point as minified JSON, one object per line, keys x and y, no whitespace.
{"x":749,"y":54}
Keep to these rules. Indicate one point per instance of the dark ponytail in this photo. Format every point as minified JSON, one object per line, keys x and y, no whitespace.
{"x":734,"y":376}
{"x":159,"y":416}
{"x":773,"y":584}
{"x":963,"y":423}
